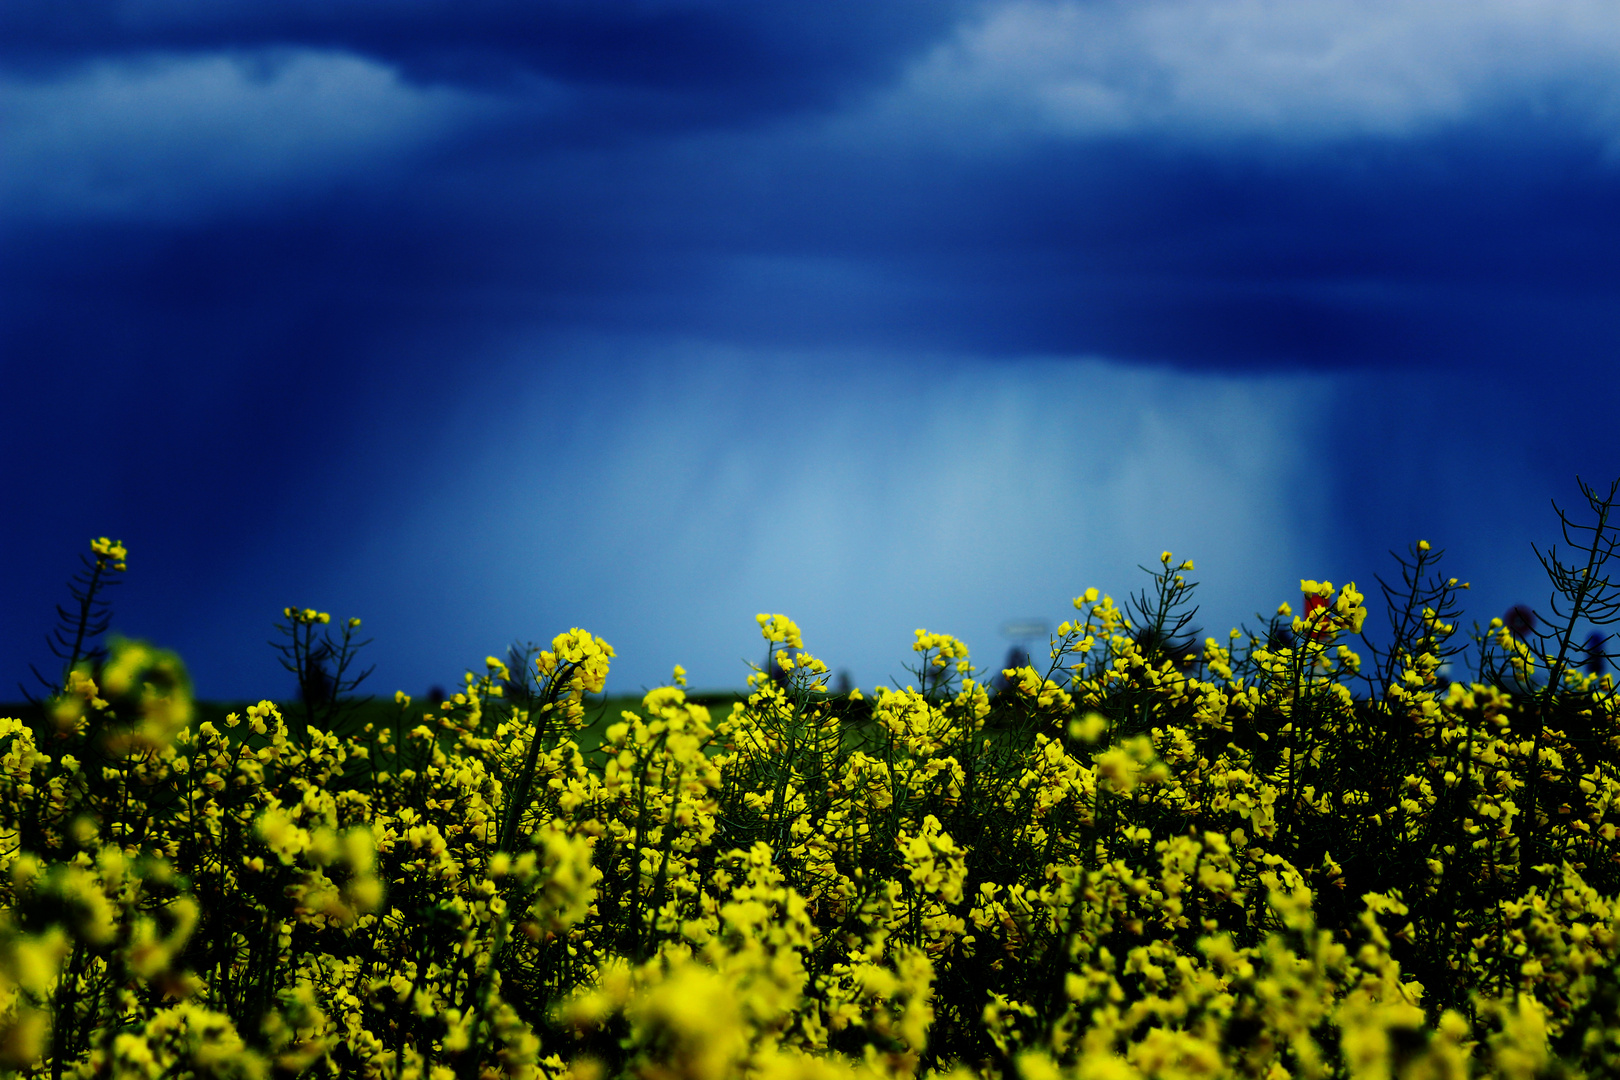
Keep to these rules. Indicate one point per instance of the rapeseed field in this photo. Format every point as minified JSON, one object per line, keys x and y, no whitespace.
{"x":1294,"y":851}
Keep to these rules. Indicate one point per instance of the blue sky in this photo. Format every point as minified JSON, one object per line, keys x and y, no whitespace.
{"x":485,"y":320}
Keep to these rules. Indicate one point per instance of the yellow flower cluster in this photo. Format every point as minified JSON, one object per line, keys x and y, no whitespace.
{"x":1125,"y":865}
{"x":110,"y":554}
{"x":577,"y":663}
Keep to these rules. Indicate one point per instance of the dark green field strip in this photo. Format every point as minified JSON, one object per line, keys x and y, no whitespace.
{"x":382,"y":713}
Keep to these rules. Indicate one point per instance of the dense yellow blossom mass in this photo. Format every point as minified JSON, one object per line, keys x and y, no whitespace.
{"x":1139,"y":858}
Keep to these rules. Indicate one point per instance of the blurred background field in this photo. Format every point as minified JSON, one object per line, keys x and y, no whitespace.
{"x":385,"y":713}
{"x":601,"y":711}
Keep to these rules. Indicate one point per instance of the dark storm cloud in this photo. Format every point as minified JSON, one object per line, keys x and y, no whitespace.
{"x":942,"y":212}
{"x":1445,"y":254}
{"x":257,"y":257}
{"x":640,"y":64}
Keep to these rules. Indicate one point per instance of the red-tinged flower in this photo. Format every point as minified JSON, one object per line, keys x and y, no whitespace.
{"x":1317,"y":616}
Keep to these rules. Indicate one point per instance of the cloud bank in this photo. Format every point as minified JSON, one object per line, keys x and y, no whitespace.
{"x":176,"y":136}
{"x":1273,"y":70}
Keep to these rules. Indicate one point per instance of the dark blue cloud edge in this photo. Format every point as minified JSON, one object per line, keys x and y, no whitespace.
{"x":650,"y":64}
